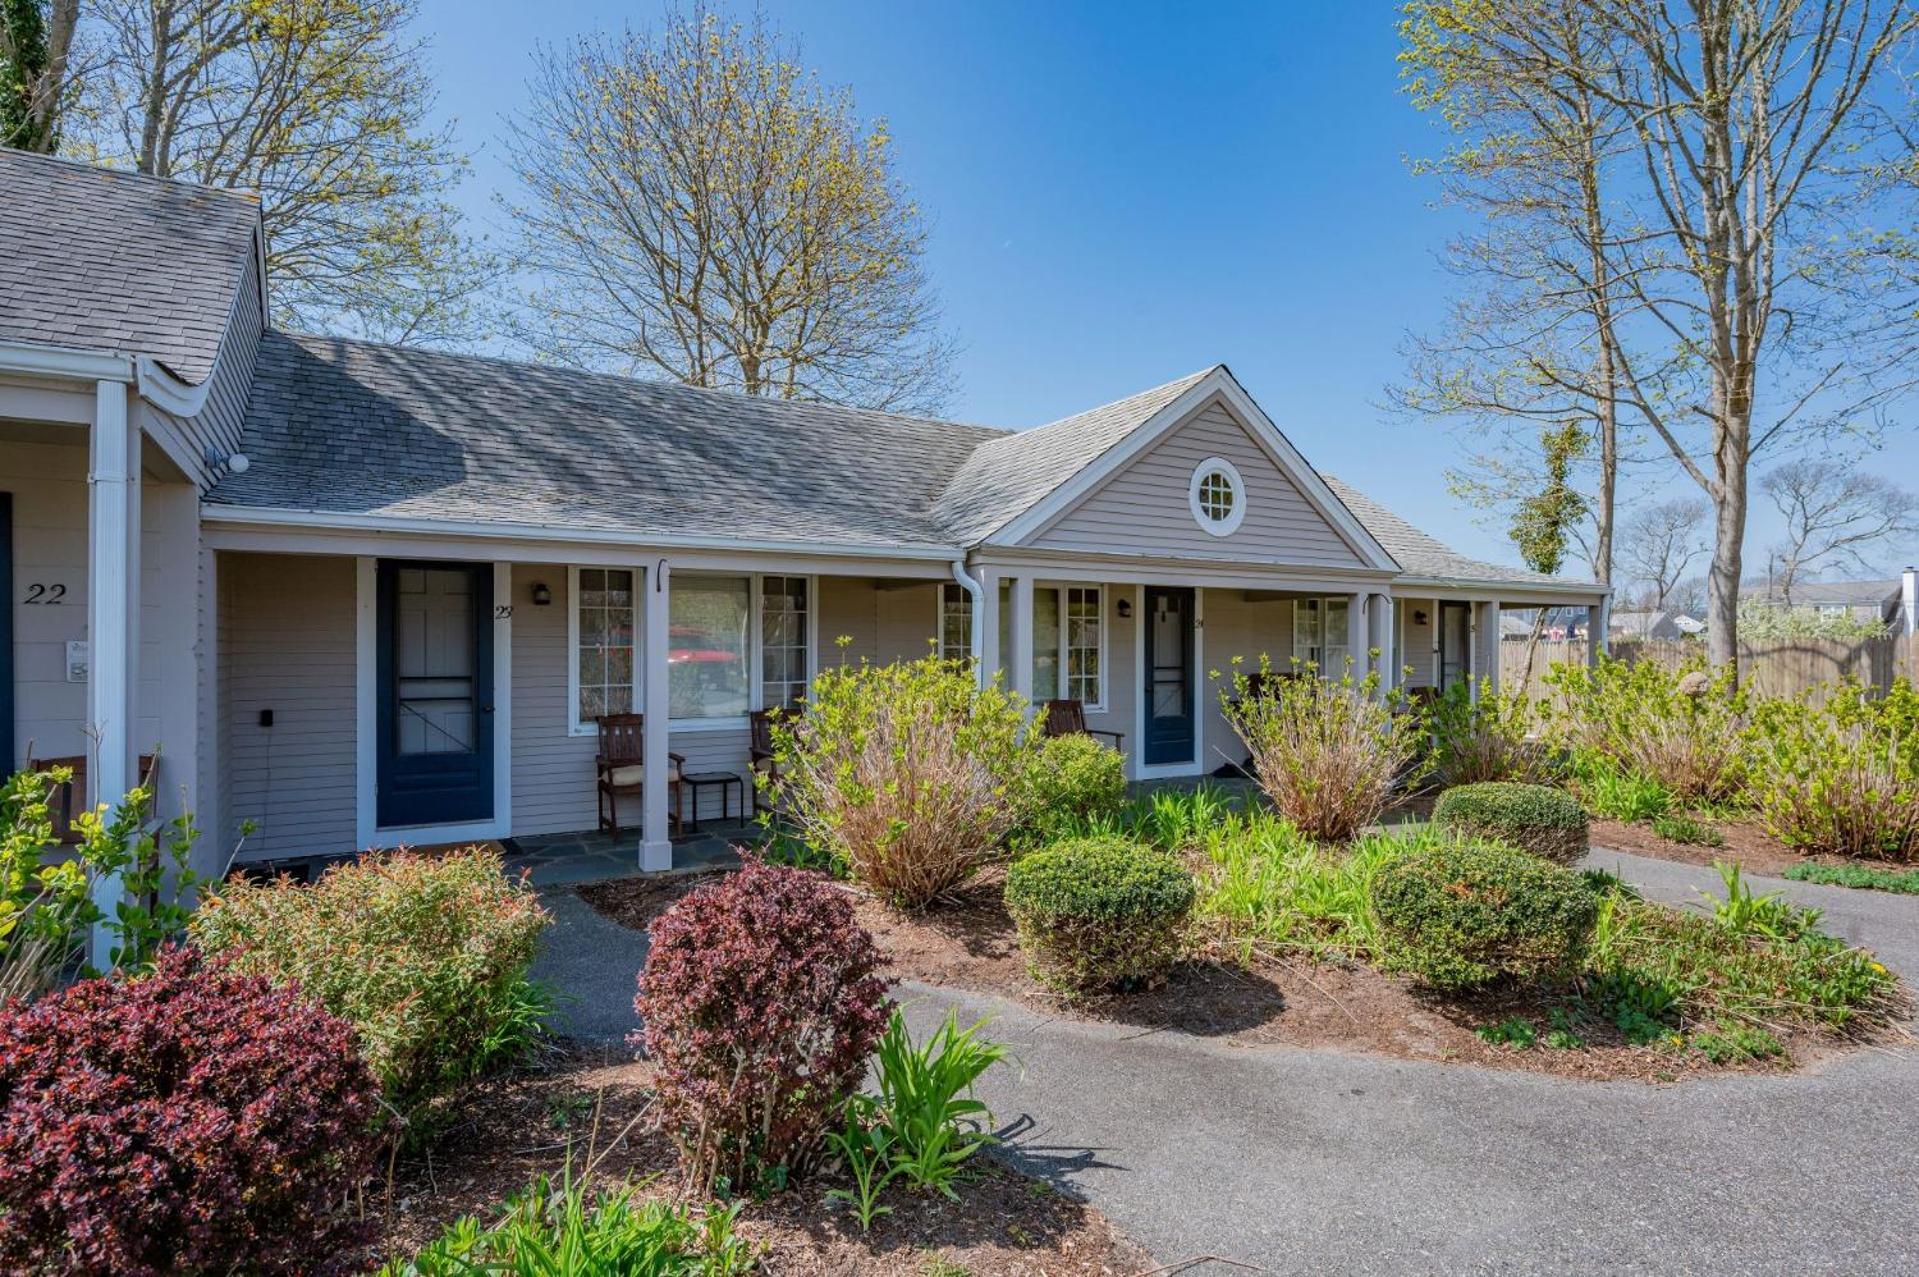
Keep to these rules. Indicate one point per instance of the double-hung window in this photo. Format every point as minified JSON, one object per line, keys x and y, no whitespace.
{"x":956,"y":622}
{"x":1069,"y":638}
{"x":1320,"y":636}
{"x":734,"y":642}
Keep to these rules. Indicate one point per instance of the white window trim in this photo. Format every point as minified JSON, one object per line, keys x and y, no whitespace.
{"x":756,"y":669}
{"x":1227,"y":470}
{"x":1060,"y":589}
{"x":939,"y":619}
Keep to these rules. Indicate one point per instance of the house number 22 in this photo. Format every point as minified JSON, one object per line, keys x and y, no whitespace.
{"x":42,"y":593}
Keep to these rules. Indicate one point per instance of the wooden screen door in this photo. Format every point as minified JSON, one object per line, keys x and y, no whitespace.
{"x":1169,"y":676}
{"x":1455,"y":638}
{"x":436,"y":693}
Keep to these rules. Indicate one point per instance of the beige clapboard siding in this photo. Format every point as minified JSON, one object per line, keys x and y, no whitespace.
{"x":908,"y":621}
{"x":848,"y":610}
{"x":1236,"y":627}
{"x":287,"y":637}
{"x":1416,"y":641}
{"x":1143,"y":508}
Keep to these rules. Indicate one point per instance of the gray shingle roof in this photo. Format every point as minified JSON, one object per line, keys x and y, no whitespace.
{"x":1426,"y":557}
{"x":1008,"y":475}
{"x":118,"y":263}
{"x":352,"y":427}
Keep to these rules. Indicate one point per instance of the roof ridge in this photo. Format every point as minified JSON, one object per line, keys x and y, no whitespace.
{"x":662,"y":383}
{"x":241,"y":194}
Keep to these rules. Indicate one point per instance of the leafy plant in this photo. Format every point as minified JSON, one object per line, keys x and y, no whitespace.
{"x":926,"y":1105}
{"x":1904,"y":881}
{"x":865,"y":1150}
{"x":191,"y":1120}
{"x":1736,"y":1044}
{"x":1465,"y":914}
{"x":906,"y":774}
{"x":1746,"y":914}
{"x":425,"y":955}
{"x":1842,"y":777}
{"x":1613,"y":794}
{"x":761,"y":1003}
{"x":1493,"y":736}
{"x":1682,"y":827}
{"x":1063,"y":782}
{"x":1513,"y":1031}
{"x":1264,"y":885}
{"x":47,"y":898}
{"x":1328,"y":752}
{"x":549,"y":1232}
{"x":1099,"y":915}
{"x":1684,"y":727}
{"x":1546,"y":822}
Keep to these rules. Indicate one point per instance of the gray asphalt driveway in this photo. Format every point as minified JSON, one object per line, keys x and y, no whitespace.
{"x":1305,"y":1161}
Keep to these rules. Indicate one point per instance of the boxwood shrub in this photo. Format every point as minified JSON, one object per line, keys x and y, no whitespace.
{"x":1064,"y":783}
{"x":1463,"y":914}
{"x":1098,"y":915}
{"x":1537,"y":818}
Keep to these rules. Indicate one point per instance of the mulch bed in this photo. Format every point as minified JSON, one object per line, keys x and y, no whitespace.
{"x":591,"y":1108}
{"x":1747,"y":843}
{"x":968,"y":943}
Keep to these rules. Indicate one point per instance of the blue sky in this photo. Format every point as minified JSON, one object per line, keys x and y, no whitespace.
{"x":1122,"y":193}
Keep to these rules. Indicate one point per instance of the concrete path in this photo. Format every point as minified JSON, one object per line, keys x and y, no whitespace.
{"x":1305,"y":1161}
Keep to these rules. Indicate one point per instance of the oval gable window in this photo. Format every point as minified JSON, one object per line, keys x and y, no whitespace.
{"x":1216,"y":496}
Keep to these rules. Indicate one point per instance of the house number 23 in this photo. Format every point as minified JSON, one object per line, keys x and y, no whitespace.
{"x":39,"y":592}
{"x":502,"y":611}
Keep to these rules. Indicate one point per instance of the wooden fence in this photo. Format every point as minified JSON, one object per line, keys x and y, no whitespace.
{"x":1786,"y":667}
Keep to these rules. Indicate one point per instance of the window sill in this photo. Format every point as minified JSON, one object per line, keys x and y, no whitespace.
{"x":738,"y":722}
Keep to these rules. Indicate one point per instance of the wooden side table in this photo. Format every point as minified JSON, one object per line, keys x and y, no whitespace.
{"x":692,"y":782}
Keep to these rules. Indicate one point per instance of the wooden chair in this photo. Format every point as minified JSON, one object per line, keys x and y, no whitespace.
{"x":762,"y":762}
{"x":1068,"y":718}
{"x":72,"y":797}
{"x":620,"y":769}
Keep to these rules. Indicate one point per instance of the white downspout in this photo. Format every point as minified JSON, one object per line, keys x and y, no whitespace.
{"x":976,"y":634}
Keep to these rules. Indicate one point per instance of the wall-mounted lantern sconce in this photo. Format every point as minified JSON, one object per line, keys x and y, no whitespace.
{"x":1419,"y":617}
{"x":1125,"y":609}
{"x":541,"y":595}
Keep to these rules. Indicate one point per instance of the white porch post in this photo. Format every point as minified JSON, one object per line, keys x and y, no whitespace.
{"x":113,"y":619}
{"x":1472,"y":652}
{"x":988,"y":654}
{"x":1356,"y":644}
{"x":1490,"y":637}
{"x":1022,"y":681}
{"x":656,"y":848}
{"x":1382,"y":628}
{"x":1598,"y":629}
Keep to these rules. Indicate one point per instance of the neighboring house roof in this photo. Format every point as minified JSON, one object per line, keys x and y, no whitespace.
{"x":1851,"y":593}
{"x":1656,"y":624}
{"x":1427,"y":558}
{"x":117,"y":263}
{"x":1009,"y":474}
{"x":1691,"y":626}
{"x":348,"y":427}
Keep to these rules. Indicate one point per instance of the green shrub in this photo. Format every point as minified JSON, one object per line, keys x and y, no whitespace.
{"x":1683,"y":827}
{"x":1099,"y":914}
{"x":1469,"y":913}
{"x":1685,"y":726}
{"x":1903,"y":881}
{"x":425,"y":955}
{"x":1546,"y":822}
{"x":1736,"y":1044}
{"x":903,"y":773}
{"x":1613,"y":794}
{"x":1063,"y":784}
{"x":1263,"y":885}
{"x":1842,"y":777}
{"x":1327,"y":752}
{"x":1491,"y":736}
{"x":546,"y":1231}
{"x":46,"y":900}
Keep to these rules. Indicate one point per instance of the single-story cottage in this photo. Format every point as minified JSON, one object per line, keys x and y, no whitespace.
{"x":355,"y":595}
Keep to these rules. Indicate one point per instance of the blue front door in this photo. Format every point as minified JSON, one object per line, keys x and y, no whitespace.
{"x":1169,"y":676}
{"x":436,"y":693}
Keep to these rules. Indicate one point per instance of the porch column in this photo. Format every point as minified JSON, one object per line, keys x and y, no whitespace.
{"x":1598,"y":629}
{"x":1472,"y":653}
{"x":113,"y":619}
{"x":1022,"y":654}
{"x":987,"y":657}
{"x":656,"y":848}
{"x":1356,"y":644}
{"x":1487,"y":625}
{"x":1383,"y":639}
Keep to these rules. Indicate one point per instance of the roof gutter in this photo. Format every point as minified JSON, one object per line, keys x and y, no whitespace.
{"x":325,"y":521}
{"x":35,"y":360}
